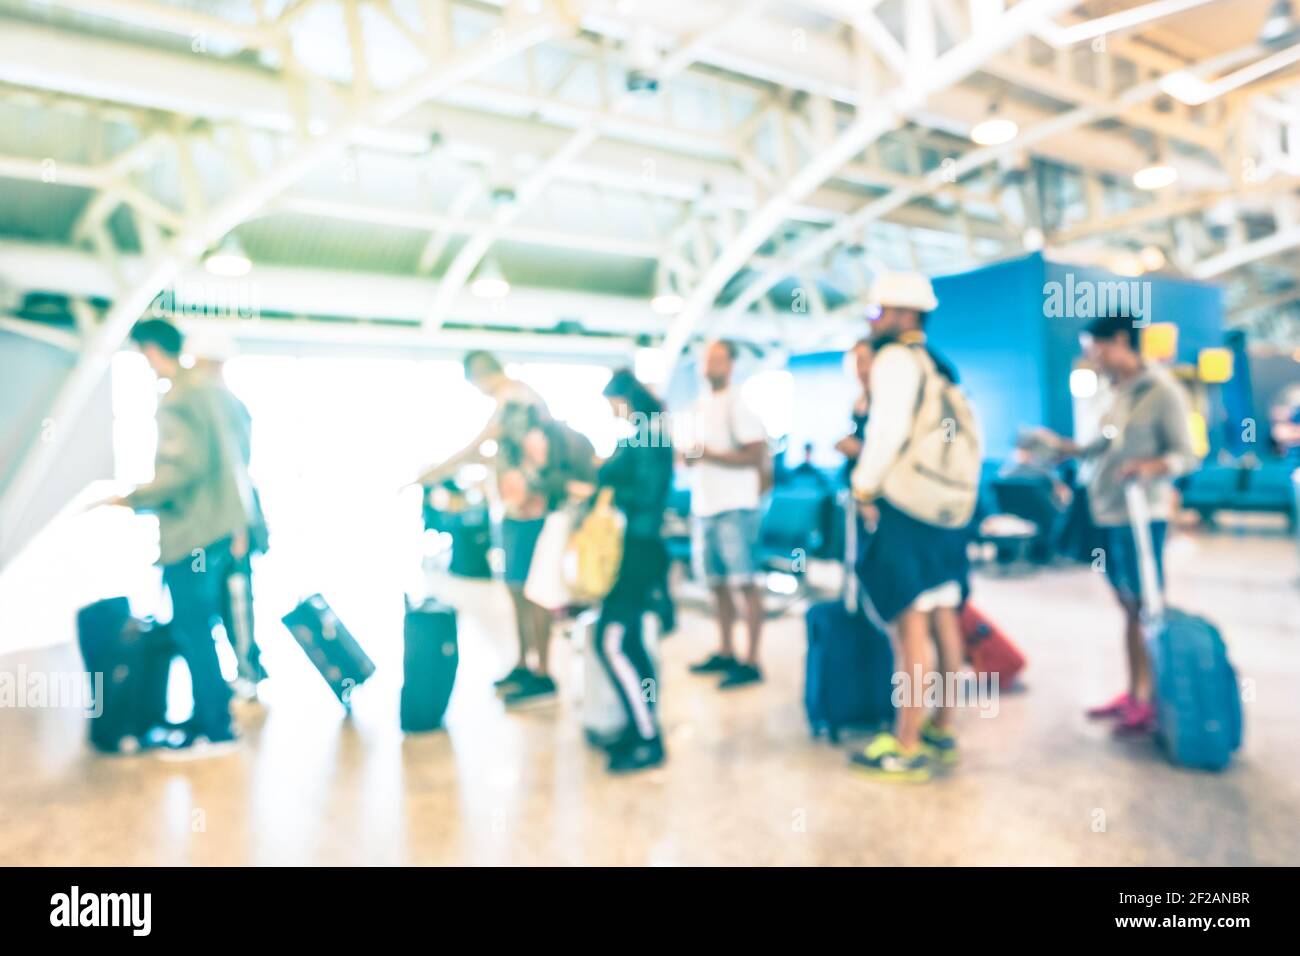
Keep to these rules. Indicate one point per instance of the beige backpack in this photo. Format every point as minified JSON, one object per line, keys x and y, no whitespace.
{"x":937,"y":475}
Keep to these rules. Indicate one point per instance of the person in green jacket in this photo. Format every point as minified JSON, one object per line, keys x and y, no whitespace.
{"x":201,"y":497}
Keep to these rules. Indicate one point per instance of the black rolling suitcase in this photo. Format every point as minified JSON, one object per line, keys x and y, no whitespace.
{"x":128,"y":661}
{"x":430,"y":658}
{"x":330,"y":646}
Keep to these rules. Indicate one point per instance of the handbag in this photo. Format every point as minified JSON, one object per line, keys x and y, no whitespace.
{"x":595,"y":551}
{"x":545,"y":585}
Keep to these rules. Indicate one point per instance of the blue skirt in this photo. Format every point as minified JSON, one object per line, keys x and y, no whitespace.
{"x":906,"y":557}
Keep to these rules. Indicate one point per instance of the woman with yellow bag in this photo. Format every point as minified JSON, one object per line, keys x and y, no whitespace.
{"x":636,"y":479}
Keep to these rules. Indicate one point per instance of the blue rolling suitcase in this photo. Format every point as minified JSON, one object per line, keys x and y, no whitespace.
{"x":128,"y":661}
{"x":1198,"y":699}
{"x":330,"y":647}
{"x":850,"y":664}
{"x":430,"y":659}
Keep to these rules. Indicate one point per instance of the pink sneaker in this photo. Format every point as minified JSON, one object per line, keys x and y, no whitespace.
{"x":1116,"y":708}
{"x":1139,"y":718}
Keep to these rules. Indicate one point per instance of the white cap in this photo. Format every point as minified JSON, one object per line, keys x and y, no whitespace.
{"x":211,"y":346}
{"x":903,"y":290}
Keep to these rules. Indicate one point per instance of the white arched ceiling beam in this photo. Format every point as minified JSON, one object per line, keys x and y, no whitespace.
{"x":990,"y":37}
{"x":472,"y":252}
{"x":1274,"y":244}
{"x":189,"y":243}
{"x":851,"y":226}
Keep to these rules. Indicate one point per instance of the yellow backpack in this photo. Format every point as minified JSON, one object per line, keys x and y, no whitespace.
{"x":595,"y":551}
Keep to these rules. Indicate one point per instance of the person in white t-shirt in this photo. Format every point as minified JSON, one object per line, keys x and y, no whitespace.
{"x":726,"y":460}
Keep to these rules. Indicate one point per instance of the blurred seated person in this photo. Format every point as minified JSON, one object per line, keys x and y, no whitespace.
{"x":1285,"y":415}
{"x":1028,"y":485}
{"x":806,"y":474}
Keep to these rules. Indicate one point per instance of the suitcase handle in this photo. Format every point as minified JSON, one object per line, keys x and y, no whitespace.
{"x":850,"y":589}
{"x":1139,"y":516}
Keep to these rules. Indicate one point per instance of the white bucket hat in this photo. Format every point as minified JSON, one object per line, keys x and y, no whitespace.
{"x":903,"y":290}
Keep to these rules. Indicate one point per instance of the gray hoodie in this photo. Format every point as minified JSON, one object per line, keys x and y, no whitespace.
{"x":1147,"y":418}
{"x":200,"y":490}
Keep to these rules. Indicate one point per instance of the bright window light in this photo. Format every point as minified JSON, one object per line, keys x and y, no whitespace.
{"x":770,"y":393}
{"x":573,"y":394}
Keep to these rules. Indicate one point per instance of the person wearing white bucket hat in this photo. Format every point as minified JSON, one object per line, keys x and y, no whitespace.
{"x":915,"y":482}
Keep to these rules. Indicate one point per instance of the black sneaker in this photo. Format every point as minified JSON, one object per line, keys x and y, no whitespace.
{"x":740,"y":675}
{"x":532,"y":689}
{"x":641,"y":755}
{"x":715,"y":664}
{"x":513,"y":680}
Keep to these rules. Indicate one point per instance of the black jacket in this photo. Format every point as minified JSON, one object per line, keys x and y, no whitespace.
{"x":641,"y":475}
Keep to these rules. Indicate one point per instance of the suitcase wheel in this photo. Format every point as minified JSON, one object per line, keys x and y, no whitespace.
{"x":833,"y":734}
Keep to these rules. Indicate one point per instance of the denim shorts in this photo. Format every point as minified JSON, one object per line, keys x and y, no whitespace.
{"x":518,"y":539}
{"x":725,"y":547}
{"x":1122,"y":568}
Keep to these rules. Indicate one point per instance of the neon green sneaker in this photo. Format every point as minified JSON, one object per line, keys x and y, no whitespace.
{"x":885,"y":759}
{"x":940,"y":744}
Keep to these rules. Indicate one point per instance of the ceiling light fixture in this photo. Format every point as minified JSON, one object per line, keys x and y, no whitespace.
{"x":1281,"y":27}
{"x":1156,"y":176}
{"x":1152,"y":258}
{"x":228,"y":260}
{"x":994,"y":130}
{"x":666,"y":300}
{"x":491,"y":281}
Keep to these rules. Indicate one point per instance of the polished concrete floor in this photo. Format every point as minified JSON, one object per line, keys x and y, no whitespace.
{"x":744,"y":783}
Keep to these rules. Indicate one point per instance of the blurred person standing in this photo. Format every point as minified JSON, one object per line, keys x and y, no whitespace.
{"x":210,"y":353}
{"x":524,"y":510}
{"x":640,"y":473}
{"x":914,"y":568}
{"x":850,"y":446}
{"x":199,"y":494}
{"x":551,"y":459}
{"x":1144,"y":437}
{"x":726,"y":462}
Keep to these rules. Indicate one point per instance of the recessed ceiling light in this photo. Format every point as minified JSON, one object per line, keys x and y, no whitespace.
{"x":228,"y":260}
{"x":1187,"y":88}
{"x":1155,"y":176}
{"x":1152,"y":258}
{"x":994,"y":131}
{"x":491,"y":281}
{"x":667,"y":303}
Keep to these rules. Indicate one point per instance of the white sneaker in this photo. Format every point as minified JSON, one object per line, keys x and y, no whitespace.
{"x":201,"y":748}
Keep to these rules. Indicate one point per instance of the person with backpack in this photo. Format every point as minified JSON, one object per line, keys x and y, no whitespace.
{"x":549,"y":461}
{"x":1145,"y":438}
{"x":729,"y":462}
{"x":199,"y":494}
{"x":916,"y":482}
{"x":524,"y":513}
{"x":640,"y":474}
{"x":210,"y":353}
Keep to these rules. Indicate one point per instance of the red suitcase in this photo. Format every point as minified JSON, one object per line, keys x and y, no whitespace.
{"x":989,"y":650}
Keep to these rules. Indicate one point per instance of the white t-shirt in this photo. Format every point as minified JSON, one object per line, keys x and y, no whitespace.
{"x":723,"y":422}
